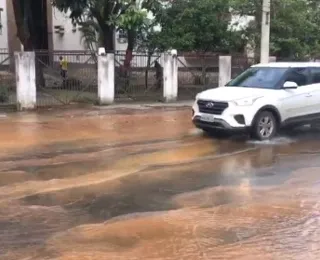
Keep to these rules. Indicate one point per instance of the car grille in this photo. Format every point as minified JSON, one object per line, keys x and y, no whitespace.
{"x":212,"y":107}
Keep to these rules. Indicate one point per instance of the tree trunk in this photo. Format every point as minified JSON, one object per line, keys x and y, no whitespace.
{"x":108,"y":38}
{"x":159,"y":75}
{"x":125,"y":70}
{"x":17,"y":10}
{"x":147,"y":69}
{"x":132,"y":34}
{"x":26,"y":32}
{"x":129,"y":51}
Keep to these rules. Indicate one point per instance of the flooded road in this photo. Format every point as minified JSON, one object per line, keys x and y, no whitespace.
{"x":144,"y":184}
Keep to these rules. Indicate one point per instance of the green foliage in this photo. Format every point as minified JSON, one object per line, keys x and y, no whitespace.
{"x":295,"y":29}
{"x":100,"y":18}
{"x":147,"y":36}
{"x":91,"y":34}
{"x":295,"y":26}
{"x":132,"y":18}
{"x":198,"y":25}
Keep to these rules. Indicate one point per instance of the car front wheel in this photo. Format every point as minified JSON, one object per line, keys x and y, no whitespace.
{"x":265,"y":126}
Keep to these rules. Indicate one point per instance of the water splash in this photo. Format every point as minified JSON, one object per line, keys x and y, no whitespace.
{"x":274,"y":141}
{"x":195,"y":132}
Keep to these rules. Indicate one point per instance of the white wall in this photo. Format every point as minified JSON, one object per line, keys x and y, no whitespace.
{"x":26,"y":80}
{"x":240,"y":22}
{"x":4,"y":22}
{"x":4,"y":48}
{"x":69,"y":41}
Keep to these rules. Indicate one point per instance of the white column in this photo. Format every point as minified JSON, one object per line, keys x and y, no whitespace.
{"x":224,"y":70}
{"x":174,"y":54}
{"x":265,"y":32}
{"x":167,"y":78}
{"x":170,"y":76}
{"x":106,"y":84}
{"x":25,"y":80}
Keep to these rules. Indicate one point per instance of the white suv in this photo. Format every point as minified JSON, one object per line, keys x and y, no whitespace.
{"x":261,"y":100}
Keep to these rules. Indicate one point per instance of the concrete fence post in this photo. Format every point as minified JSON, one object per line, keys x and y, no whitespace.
{"x":174,"y":55}
{"x":170,"y":76}
{"x":106,"y":81}
{"x":25,"y":80}
{"x":224,"y":70}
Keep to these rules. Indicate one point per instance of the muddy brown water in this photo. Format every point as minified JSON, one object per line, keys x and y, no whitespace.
{"x":125,"y":184}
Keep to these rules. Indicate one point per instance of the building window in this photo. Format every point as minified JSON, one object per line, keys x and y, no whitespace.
{"x":122,"y":36}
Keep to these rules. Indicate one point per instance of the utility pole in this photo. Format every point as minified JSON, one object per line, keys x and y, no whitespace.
{"x":265,"y":32}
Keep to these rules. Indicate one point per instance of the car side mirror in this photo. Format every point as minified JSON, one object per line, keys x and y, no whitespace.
{"x":290,"y":84}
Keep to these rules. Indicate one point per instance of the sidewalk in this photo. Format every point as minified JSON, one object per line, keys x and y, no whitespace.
{"x":89,"y":110}
{"x":177,"y":104}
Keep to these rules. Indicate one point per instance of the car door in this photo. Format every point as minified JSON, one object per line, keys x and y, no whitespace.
{"x":296,"y":102}
{"x":314,"y":97}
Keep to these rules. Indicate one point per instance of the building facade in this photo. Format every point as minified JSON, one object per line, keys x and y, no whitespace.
{"x":4,"y":21}
{"x":62,"y":33}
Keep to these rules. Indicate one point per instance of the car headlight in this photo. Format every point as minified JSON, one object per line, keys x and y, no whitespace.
{"x":246,"y":101}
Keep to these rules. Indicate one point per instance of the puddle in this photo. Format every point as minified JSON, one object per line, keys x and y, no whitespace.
{"x":154,"y":188}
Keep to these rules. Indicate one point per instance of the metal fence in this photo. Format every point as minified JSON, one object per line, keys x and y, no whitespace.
{"x":138,"y":78}
{"x":196,"y":73}
{"x":7,"y":79}
{"x":78,"y":84}
{"x":239,"y":64}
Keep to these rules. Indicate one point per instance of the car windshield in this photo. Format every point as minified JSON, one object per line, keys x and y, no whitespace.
{"x":258,"y":77}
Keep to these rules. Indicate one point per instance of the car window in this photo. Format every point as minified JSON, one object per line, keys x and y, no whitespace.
{"x":298,"y":75}
{"x":315,"y":75}
{"x":259,"y":77}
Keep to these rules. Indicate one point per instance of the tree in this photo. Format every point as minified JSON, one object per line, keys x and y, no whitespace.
{"x":31,"y":22}
{"x":101,"y":18}
{"x":198,"y":25}
{"x":147,"y":41}
{"x":295,"y":26}
{"x":131,"y":21}
{"x":95,"y":15}
{"x":295,"y":29}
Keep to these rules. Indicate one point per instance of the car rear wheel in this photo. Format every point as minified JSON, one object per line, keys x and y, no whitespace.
{"x":265,"y":126}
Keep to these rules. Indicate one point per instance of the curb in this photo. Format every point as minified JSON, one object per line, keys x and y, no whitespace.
{"x":146,"y":105}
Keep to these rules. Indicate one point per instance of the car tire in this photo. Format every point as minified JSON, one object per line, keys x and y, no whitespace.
{"x":265,"y":126}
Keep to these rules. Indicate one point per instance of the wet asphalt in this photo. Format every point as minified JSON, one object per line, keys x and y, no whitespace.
{"x":145,"y":184}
